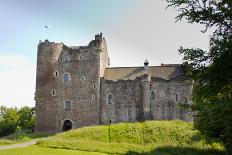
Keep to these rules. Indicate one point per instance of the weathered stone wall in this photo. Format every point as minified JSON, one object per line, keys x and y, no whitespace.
{"x":169,"y":99}
{"x":103,"y":57}
{"x":47,"y":105}
{"x":83,"y":89}
{"x":126,"y":101}
{"x":96,"y":100}
{"x":145,"y":98}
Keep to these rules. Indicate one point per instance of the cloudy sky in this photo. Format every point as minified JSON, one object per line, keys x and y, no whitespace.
{"x":134,"y":30}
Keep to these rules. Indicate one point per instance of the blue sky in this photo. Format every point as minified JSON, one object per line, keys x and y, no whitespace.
{"x":134,"y":30}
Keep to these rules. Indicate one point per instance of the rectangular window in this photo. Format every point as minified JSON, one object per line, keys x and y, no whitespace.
{"x":66,"y":77}
{"x":67,"y":105}
{"x":109,"y":99}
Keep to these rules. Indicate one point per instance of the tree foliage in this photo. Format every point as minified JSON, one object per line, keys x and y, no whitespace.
{"x":12,"y":119}
{"x":26,"y":118}
{"x":8,"y":123}
{"x":211,"y":69}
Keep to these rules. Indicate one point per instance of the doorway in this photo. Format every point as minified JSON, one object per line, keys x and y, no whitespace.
{"x":67,"y":125}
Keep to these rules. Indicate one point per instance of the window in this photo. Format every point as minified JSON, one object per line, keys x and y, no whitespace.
{"x":109,"y":99}
{"x":93,"y":96}
{"x":53,"y":92}
{"x":80,"y":57}
{"x":153,"y":95}
{"x":66,"y":57}
{"x":176,"y":98}
{"x":67,"y":105}
{"x":66,"y":77}
{"x":94,"y":86}
{"x":82,"y":78}
{"x":56,"y":74}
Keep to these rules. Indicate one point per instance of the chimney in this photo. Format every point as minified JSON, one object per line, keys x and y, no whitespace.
{"x":146,"y":64}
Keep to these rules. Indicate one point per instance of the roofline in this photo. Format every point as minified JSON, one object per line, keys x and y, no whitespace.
{"x":164,"y":65}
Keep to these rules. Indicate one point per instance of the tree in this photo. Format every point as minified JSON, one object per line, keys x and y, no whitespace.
{"x":26,"y":118}
{"x":9,"y":121}
{"x":212,"y":69}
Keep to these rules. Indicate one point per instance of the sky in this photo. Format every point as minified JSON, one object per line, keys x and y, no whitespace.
{"x":135,"y":30}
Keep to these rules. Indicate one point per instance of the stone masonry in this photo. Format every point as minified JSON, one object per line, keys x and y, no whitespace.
{"x":75,"y":87}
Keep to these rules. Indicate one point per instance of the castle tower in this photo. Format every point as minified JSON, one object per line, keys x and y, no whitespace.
{"x":47,"y":87}
{"x":68,"y":85}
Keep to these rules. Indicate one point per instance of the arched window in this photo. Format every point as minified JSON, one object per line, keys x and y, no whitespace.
{"x":153,"y":95}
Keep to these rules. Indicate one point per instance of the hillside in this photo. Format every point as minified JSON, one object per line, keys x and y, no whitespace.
{"x":129,"y":138}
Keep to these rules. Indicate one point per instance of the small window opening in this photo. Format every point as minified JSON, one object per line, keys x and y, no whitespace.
{"x":82,"y":78}
{"x":66,"y":77}
{"x":66,"y":58}
{"x":55,"y":74}
{"x":80,"y":57}
{"x":176,"y":98}
{"x":93,"y":96}
{"x":67,"y":105}
{"x":53,"y":92}
{"x":152,"y":95}
{"x":109,"y":99}
{"x":94,"y":86}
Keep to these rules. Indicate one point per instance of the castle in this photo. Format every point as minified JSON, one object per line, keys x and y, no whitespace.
{"x":75,"y":87}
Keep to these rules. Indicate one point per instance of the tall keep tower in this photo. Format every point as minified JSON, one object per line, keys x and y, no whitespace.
{"x":68,"y":84}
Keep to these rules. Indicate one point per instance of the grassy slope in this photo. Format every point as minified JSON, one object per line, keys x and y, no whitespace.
{"x":36,"y":150}
{"x":20,"y":136}
{"x":132,"y":138}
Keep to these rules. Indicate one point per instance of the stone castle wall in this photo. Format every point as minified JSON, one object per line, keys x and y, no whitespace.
{"x":168,"y":98}
{"x":82,"y":64}
{"x":144,"y":99}
{"x":95,"y":100}
{"x":47,"y":106}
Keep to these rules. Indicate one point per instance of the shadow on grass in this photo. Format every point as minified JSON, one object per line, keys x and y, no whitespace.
{"x":169,"y":150}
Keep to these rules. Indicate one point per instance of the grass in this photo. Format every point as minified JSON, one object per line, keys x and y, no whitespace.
{"x":150,"y":137}
{"x":21,"y":136}
{"x":36,"y":150}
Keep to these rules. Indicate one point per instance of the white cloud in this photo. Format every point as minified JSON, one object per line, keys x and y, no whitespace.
{"x":17,"y":81}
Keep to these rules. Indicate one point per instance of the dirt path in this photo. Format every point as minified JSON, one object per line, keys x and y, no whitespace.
{"x":25,"y":144}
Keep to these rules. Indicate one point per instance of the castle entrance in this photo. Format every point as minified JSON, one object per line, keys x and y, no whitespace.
{"x":67,"y":125}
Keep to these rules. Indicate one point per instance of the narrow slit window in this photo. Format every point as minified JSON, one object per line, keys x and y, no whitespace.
{"x":93,"y":96}
{"x":153,"y":95}
{"x":56,"y":74}
{"x":82,"y":78}
{"x":176,"y":98}
{"x":53,"y":92}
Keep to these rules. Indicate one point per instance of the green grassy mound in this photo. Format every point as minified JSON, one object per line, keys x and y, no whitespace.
{"x":133,"y":138}
{"x":20,"y":136}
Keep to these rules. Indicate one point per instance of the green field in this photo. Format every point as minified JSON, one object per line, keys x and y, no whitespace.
{"x":150,"y":137}
{"x":21,"y":136}
{"x":36,"y":150}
